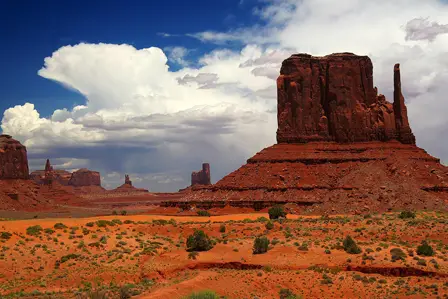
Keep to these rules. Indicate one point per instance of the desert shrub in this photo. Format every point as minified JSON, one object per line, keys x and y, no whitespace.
{"x":199,"y":241}
{"x":192,"y":255}
{"x":90,"y":224}
{"x":48,"y":231}
{"x":114,"y":212}
{"x":59,"y":226}
{"x":276,"y":212}
{"x":203,"y":295}
{"x":34,"y":230}
{"x":288,"y":294}
{"x":261,"y":245}
{"x":117,"y":221}
{"x":128,"y":222}
{"x":104,"y":223}
{"x":124,"y":213}
{"x":222,"y":228}
{"x":269,"y":225}
{"x":5,"y":235}
{"x":425,"y":249}
{"x":69,"y":257}
{"x":103,"y":240}
{"x":203,"y":213}
{"x":397,"y":254}
{"x":350,"y":246}
{"x":406,"y":215}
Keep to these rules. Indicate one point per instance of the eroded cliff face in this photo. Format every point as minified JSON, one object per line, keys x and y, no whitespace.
{"x":332,"y":98}
{"x":84,"y":177}
{"x":13,"y":159}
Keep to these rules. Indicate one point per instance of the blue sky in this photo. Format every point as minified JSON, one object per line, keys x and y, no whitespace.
{"x":33,"y":30}
{"x":162,"y":87}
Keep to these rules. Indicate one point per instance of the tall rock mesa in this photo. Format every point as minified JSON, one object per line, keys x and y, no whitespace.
{"x":13,"y":159}
{"x":332,"y":98}
{"x":84,"y":177}
{"x":201,"y":177}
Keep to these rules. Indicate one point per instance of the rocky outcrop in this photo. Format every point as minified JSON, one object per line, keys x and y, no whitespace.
{"x":201,"y":177}
{"x":342,"y":148}
{"x":128,"y":188}
{"x":50,"y":175}
{"x":13,"y":159}
{"x":84,"y":177}
{"x":127,"y":181}
{"x":332,"y":98}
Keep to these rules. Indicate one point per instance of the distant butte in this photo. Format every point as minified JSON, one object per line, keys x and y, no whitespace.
{"x":342,"y":147}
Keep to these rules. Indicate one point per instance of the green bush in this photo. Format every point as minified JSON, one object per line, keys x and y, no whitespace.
{"x":124,"y":213}
{"x":104,"y":223}
{"x":90,"y":224}
{"x":199,"y":241}
{"x":288,"y":294}
{"x":276,"y":212}
{"x":203,"y":213}
{"x":269,"y":225}
{"x":67,"y":257}
{"x":60,"y":226}
{"x":425,"y":249}
{"x":406,"y":215}
{"x":350,"y":246}
{"x":5,"y":235}
{"x":222,"y":228}
{"x":397,"y":254}
{"x":34,"y":230}
{"x":203,"y":295}
{"x":261,"y":245}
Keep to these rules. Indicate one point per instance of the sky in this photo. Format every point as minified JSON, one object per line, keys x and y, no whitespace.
{"x":155,"y":89}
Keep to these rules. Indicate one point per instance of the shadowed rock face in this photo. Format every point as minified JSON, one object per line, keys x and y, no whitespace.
{"x":13,"y":159}
{"x":332,"y":98}
{"x":201,"y":177}
{"x":84,"y":177}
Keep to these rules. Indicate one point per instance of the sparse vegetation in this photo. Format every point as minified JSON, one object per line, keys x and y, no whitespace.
{"x":203,"y":295}
{"x":397,"y":254}
{"x":261,"y":245}
{"x":5,"y":235}
{"x":203,"y":213}
{"x":199,"y":241}
{"x":269,"y":225}
{"x":407,"y":215}
{"x":350,"y":246}
{"x":276,"y":212}
{"x":34,"y":230}
{"x":425,"y":249}
{"x":60,"y":226}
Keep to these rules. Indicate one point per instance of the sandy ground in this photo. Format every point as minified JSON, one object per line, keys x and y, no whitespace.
{"x":149,"y":253}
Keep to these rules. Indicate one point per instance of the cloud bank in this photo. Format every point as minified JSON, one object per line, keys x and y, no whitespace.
{"x":159,"y":125}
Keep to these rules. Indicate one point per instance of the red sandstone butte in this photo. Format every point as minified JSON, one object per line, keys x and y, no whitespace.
{"x":201,"y":177}
{"x":84,"y":177}
{"x":13,"y":159}
{"x":332,"y":98}
{"x":342,"y":148}
{"x":127,"y":187}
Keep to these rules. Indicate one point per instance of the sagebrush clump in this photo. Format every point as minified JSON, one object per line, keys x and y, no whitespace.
{"x":199,"y":241}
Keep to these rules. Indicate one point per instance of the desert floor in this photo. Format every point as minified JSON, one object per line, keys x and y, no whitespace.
{"x":145,"y":256}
